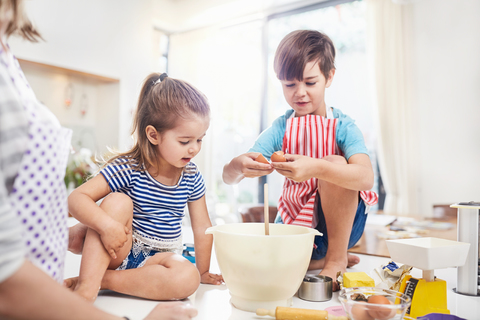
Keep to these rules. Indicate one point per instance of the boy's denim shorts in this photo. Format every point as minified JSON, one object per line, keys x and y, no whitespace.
{"x":321,"y":242}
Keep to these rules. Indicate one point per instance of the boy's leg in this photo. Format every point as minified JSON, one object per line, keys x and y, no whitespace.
{"x":339,"y":206}
{"x":165,"y":276}
{"x":95,"y":259}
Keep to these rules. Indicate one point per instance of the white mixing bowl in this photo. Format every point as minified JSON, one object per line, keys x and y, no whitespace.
{"x":262,"y":271}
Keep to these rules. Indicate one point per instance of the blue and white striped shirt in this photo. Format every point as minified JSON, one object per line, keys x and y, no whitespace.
{"x":158,"y":209}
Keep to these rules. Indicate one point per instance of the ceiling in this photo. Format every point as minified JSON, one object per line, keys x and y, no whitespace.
{"x":174,"y":16}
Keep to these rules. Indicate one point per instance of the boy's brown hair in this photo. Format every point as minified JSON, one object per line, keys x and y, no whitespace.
{"x":301,"y":47}
{"x":12,"y":12}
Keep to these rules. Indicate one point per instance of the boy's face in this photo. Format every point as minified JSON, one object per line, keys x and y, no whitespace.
{"x":308,"y":96}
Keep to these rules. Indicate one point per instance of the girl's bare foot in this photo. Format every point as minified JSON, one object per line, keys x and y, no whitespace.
{"x":87,"y":294}
{"x":70,"y":283}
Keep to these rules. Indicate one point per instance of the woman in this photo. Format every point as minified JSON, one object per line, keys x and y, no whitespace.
{"x":33,"y":207}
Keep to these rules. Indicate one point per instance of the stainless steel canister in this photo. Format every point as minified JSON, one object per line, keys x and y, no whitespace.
{"x":316,"y":288}
{"x":468,"y":230}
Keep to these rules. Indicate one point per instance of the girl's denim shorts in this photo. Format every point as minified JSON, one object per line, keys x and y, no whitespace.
{"x":144,"y":247}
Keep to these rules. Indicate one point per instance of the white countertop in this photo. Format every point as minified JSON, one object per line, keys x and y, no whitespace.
{"x":213,"y":302}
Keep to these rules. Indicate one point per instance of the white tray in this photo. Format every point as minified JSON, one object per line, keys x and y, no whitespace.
{"x":428,"y":253}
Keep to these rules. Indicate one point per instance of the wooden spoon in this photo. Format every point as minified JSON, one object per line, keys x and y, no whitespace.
{"x":265,"y":212}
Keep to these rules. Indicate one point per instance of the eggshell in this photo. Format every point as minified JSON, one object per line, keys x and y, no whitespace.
{"x":278,"y":157}
{"x":261,"y":159}
{"x":393,"y":312}
{"x":379,"y":312}
{"x":360,"y":312}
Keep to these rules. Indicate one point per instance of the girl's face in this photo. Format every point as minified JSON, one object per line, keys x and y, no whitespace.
{"x":179,"y":145}
{"x":308,"y":96}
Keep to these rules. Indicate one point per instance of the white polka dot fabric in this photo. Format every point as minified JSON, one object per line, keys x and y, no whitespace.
{"x":39,"y":195}
{"x":40,"y":198}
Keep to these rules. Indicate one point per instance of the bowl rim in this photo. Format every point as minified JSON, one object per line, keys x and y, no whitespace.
{"x":308,"y":233}
{"x":405,"y":301}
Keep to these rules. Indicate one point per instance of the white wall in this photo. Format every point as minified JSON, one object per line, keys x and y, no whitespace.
{"x":98,"y":99}
{"x":108,"y":37}
{"x":113,"y":38}
{"x":447,"y":97}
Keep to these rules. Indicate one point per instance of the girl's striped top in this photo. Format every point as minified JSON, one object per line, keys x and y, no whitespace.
{"x":158,"y":209}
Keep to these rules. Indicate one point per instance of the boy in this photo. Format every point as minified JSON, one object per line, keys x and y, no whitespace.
{"x":328,"y":169}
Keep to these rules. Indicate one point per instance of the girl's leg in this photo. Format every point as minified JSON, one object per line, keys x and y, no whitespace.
{"x":339,"y":206}
{"x":165,"y":276}
{"x":95,"y":259}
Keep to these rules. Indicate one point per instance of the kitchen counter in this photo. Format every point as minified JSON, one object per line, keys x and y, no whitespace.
{"x":213,"y":302}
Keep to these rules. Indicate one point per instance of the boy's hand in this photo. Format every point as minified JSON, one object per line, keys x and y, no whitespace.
{"x":211,"y":278}
{"x":246,"y":165}
{"x":297,"y":168}
{"x":114,"y":237}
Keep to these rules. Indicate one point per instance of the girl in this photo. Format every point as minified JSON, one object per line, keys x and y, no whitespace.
{"x":137,"y":254}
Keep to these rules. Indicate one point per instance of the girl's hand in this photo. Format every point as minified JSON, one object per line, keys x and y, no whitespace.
{"x":297,"y":168}
{"x":211,"y":278}
{"x":114,"y":237}
{"x":172,"y":311}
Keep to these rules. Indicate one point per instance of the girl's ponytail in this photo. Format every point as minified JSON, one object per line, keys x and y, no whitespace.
{"x":147,"y":86}
{"x":163,"y":101}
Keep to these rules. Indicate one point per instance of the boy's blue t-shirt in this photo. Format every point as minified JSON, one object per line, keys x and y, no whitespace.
{"x":348,"y":136}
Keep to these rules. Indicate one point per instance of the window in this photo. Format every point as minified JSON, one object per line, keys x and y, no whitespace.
{"x":233,"y":66}
{"x":234,"y":90}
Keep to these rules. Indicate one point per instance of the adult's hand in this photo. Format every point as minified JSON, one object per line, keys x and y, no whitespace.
{"x":172,"y":311}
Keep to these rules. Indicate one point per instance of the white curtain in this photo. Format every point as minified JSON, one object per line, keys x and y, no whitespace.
{"x":389,"y":45}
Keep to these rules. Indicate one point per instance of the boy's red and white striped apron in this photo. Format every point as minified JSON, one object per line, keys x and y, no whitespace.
{"x":312,"y":136}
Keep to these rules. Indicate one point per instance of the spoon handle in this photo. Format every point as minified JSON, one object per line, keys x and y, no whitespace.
{"x":265,"y":212}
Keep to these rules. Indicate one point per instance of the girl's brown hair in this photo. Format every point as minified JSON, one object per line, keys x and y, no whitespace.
{"x":163,"y":101}
{"x":12,"y":12}
{"x":299,"y":48}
